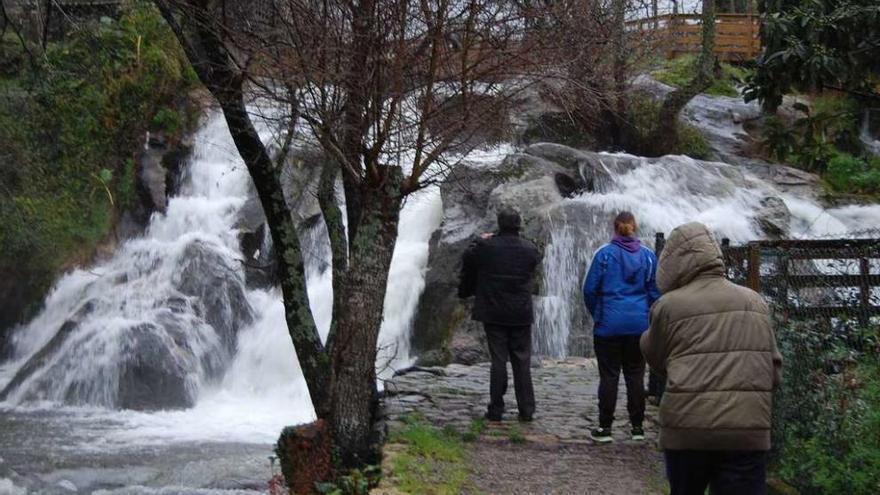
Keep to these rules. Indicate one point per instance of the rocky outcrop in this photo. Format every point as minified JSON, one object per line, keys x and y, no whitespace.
{"x":722,"y":120}
{"x":535,"y":182}
{"x":158,"y":168}
{"x":774,"y":218}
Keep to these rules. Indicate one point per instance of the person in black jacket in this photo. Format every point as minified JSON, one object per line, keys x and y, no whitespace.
{"x":499,"y":269}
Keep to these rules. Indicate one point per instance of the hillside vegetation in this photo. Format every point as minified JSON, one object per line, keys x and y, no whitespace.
{"x":71,"y":121}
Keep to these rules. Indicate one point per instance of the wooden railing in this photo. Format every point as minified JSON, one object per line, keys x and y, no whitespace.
{"x":736,"y":35}
{"x":829,"y":278}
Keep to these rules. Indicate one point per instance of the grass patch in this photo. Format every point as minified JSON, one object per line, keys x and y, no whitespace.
{"x":679,"y":71}
{"x":516,"y":435}
{"x":474,"y":430}
{"x":434,"y":461}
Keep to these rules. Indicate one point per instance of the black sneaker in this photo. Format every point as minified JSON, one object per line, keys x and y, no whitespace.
{"x":526,"y":418}
{"x":495,"y":418}
{"x":601,"y":435}
{"x":638,"y":433}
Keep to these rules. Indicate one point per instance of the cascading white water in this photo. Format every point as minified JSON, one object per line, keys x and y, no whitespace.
{"x":182,"y":284}
{"x":662,"y":194}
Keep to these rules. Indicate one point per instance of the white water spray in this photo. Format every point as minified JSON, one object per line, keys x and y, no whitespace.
{"x":146,"y":283}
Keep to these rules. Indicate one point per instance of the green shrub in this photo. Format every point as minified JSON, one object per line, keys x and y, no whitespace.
{"x":679,"y":71}
{"x":850,"y":174}
{"x":168,"y":120}
{"x":692,"y":143}
{"x":778,"y":139}
{"x":827,"y":412}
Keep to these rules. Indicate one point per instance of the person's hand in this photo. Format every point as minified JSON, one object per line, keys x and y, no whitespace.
{"x":486,"y":235}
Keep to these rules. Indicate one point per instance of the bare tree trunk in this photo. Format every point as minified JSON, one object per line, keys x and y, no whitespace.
{"x":355,"y":401}
{"x":620,"y":61}
{"x":664,"y":137}
{"x":198,"y":33}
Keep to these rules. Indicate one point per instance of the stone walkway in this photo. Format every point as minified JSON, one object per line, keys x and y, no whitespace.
{"x":557,"y":455}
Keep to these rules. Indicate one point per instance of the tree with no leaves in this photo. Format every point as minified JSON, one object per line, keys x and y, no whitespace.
{"x":392,"y":91}
{"x":664,"y":137}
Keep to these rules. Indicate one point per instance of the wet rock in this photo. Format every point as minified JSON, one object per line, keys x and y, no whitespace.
{"x":50,"y":349}
{"x":151,"y":375}
{"x":774,"y":218}
{"x":158,"y":169}
{"x":218,"y":288}
{"x":152,"y":365}
{"x":299,"y":181}
{"x":260,"y":265}
{"x":568,"y":186}
{"x":471,"y":197}
{"x":151,"y":174}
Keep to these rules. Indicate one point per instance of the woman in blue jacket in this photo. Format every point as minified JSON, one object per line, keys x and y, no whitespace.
{"x":619,"y":290}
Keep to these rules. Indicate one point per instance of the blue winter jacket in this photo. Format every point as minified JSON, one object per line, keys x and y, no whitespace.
{"x":620,"y":288}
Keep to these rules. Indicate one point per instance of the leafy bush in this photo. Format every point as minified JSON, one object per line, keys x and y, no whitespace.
{"x":825,"y":140}
{"x":679,"y":71}
{"x":827,"y":413}
{"x":357,"y":482}
{"x":168,"y":120}
{"x":850,"y":174}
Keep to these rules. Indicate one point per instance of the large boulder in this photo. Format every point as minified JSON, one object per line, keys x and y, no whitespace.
{"x":774,"y":218}
{"x":563,"y":228}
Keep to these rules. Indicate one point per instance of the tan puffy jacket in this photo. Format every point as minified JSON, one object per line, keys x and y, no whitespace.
{"x":714,"y":342}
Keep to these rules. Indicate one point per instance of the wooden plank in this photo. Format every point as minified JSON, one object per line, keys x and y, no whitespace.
{"x":829,"y":254}
{"x":735,"y":29}
{"x":754,"y":277}
{"x":821,"y":243}
{"x":814,"y":311}
{"x":809,"y":281}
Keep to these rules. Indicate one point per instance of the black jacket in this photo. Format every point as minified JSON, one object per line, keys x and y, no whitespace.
{"x":500,"y":272}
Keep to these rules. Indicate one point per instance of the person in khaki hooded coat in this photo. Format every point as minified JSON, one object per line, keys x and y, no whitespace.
{"x":714,"y":343}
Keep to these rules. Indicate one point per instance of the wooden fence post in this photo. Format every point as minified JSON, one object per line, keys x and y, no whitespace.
{"x":754,"y":277}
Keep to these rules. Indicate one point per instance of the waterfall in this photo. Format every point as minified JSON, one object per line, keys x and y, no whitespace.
{"x":168,"y":325}
{"x":662,"y":193}
{"x":869,"y":135}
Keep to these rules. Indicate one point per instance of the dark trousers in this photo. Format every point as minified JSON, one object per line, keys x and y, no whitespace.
{"x":741,"y":472}
{"x":613,"y":354}
{"x":514,"y":344}
{"x":656,"y":385}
